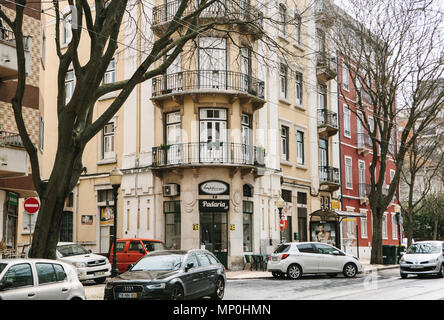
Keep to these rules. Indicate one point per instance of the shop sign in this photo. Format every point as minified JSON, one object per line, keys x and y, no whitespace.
{"x":214,"y":205}
{"x":13,"y":199}
{"x":335,"y":205}
{"x":232,"y":227}
{"x":214,"y":187}
{"x":195,"y":227}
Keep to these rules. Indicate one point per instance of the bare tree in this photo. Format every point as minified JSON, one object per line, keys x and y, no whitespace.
{"x":103,"y":28}
{"x":390,"y":49}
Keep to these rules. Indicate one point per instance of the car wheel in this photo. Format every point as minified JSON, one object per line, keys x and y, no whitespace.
{"x":294,"y":272}
{"x":404,"y":275}
{"x":100,"y":280}
{"x":177,"y":292}
{"x":350,"y":270}
{"x":220,"y":290}
{"x":441,"y":272}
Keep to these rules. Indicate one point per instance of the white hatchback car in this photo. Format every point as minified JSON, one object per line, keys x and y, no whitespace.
{"x":89,"y":266}
{"x":423,"y":258}
{"x":297,"y":258}
{"x":39,"y":279}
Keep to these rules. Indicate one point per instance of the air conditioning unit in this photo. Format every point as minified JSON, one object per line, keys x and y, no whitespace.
{"x":171,"y":190}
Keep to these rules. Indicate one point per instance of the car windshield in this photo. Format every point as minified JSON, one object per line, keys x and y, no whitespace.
{"x":153,"y":246}
{"x":68,"y":250}
{"x":2,"y":266}
{"x":424,"y":248}
{"x":169,"y":262}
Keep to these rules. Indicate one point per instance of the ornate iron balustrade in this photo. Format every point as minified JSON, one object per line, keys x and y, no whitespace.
{"x":364,"y":141}
{"x":328,"y":174}
{"x":326,"y":64}
{"x":10,"y":139}
{"x":327,"y":118}
{"x":198,"y":153}
{"x":8,"y":36}
{"x":207,"y":80}
{"x":230,"y":10}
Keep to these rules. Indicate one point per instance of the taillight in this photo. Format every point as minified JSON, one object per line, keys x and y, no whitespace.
{"x":285,"y":255}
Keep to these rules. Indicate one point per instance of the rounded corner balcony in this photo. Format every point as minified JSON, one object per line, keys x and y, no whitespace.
{"x":200,"y":82}
{"x":197,"y":154}
{"x":327,"y":123}
{"x":329,"y":178}
{"x":246,"y":17}
{"x":326,"y":66}
{"x":13,"y":156}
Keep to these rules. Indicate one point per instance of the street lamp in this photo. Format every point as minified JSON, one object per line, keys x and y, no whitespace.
{"x":280,"y":205}
{"x":115,"y":179}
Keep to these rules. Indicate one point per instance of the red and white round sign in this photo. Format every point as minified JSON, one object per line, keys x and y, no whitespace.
{"x":31,"y":205}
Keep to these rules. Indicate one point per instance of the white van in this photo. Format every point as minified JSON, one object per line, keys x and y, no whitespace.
{"x":89,"y":266}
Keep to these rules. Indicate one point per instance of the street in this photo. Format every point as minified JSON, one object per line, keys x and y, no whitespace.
{"x":380,"y":285}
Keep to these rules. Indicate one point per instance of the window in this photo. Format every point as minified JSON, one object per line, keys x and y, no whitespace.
{"x":286,"y":195}
{"x":325,"y":249}
{"x":67,"y":28}
{"x":108,"y":141}
{"x":302,"y":198}
{"x":363,"y":227}
{"x":203,"y":259}
{"x":283,"y":76}
{"x":69,"y":85}
{"x":298,"y":88}
{"x":320,"y":41}
{"x":211,"y":258}
{"x":362,"y":185}
{"x":46,"y":273}
{"x":347,"y":131}
{"x":345,"y":78}
{"x":322,"y":96}
{"x":248,"y":225}
{"x":300,"y":147}
{"x":60,"y":272}
{"x":282,"y":21}
{"x":173,"y":128}
{"x":20,"y":275}
{"x":348,"y":173}
{"x":307,"y":248}
{"x":120,"y":246}
{"x":284,"y":143}
{"x":297,"y":28}
{"x":192,"y":259}
{"x":212,"y":60}
{"x":384,"y":226}
{"x":394,"y":227}
{"x":171,"y":209}
{"x":110,"y":73}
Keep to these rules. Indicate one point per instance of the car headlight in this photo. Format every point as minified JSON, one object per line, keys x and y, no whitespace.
{"x":156,"y":286}
{"x":79,"y":264}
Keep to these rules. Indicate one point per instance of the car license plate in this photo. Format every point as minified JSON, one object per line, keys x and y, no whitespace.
{"x":127,"y":295}
{"x":417,"y":267}
{"x":101,"y":273}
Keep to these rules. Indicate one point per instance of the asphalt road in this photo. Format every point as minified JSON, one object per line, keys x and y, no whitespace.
{"x":380,"y":285}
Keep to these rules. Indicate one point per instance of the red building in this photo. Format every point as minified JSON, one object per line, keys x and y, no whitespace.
{"x":356,"y":155}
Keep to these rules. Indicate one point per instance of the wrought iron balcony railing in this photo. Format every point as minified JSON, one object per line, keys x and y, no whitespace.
{"x":328,"y":175}
{"x":326,"y":66}
{"x":327,"y":118}
{"x":10,"y":139}
{"x":364,"y":141}
{"x":204,"y":153}
{"x":8,"y":36}
{"x":207,"y":80}
{"x":242,"y":11}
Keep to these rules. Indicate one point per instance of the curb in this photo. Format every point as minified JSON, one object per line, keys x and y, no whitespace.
{"x":269,"y":276}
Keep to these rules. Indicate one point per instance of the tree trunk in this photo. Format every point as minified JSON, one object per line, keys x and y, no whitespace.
{"x":52,"y":198}
{"x":435,"y":229}
{"x":376,"y":253}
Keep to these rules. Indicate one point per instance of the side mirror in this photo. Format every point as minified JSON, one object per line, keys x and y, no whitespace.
{"x":336,"y":253}
{"x":189,"y":266}
{"x":142,"y":251}
{"x":90,"y":251}
{"x":130,"y":266}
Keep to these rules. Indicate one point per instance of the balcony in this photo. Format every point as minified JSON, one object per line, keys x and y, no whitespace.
{"x":364,"y":191}
{"x":199,"y":82}
{"x":248,"y":18}
{"x":323,"y":13}
{"x":326,"y":66}
{"x":364,"y":143}
{"x":8,"y":55}
{"x":328,"y":178}
{"x":327,"y":123}
{"x":13,"y":156}
{"x":208,"y":154}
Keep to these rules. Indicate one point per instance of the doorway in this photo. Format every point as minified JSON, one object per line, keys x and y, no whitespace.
{"x":214,"y":234}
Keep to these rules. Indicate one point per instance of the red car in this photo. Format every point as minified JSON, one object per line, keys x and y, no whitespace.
{"x":129,"y":251}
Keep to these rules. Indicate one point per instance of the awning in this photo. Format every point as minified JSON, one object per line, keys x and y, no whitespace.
{"x":22,"y":185}
{"x":329,"y":214}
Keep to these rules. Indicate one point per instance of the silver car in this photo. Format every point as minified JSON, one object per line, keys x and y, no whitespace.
{"x":296,"y":259}
{"x":423,"y":257}
{"x":39,"y":279}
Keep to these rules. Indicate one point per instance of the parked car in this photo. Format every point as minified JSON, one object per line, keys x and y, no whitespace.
{"x":129,"y":251}
{"x":89,"y":266}
{"x":296,"y":259}
{"x":423,"y":257}
{"x":39,"y":279}
{"x":170,"y":274}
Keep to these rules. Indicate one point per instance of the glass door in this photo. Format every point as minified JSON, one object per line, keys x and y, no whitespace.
{"x":213,"y":135}
{"x":214,"y":234}
{"x":247,"y":149}
{"x":212,"y":62}
{"x":174,"y":138}
{"x":323,"y":159}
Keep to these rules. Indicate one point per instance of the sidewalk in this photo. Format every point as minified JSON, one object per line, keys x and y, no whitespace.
{"x":253,"y":274}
